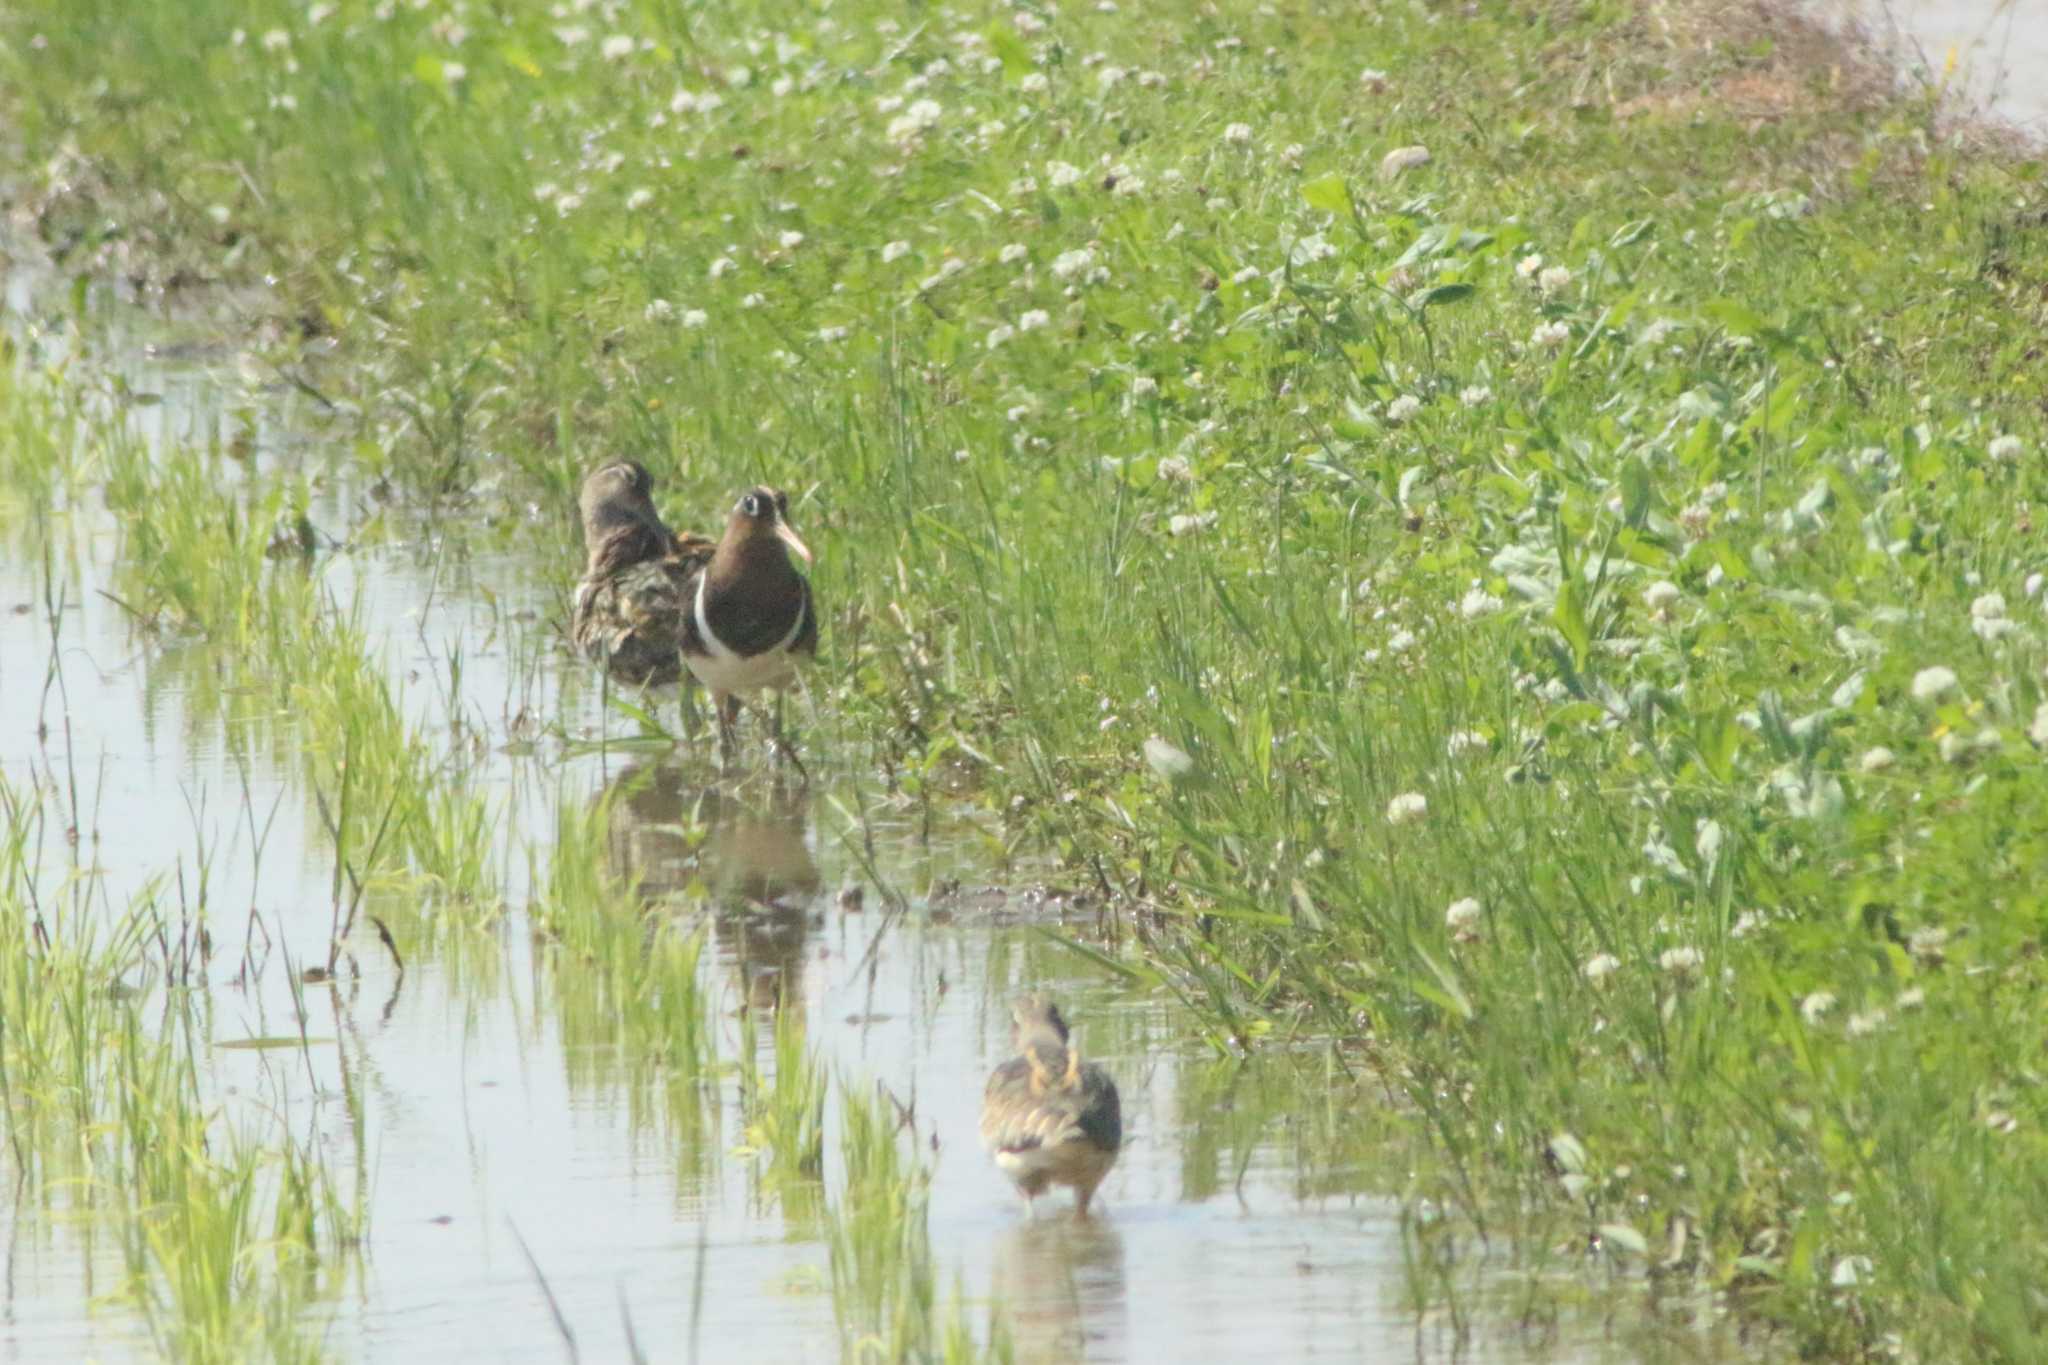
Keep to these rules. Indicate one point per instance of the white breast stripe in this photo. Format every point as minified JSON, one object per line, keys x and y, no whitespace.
{"x":712,"y":643}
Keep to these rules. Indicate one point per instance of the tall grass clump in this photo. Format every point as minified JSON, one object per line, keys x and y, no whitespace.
{"x":1506,"y":538}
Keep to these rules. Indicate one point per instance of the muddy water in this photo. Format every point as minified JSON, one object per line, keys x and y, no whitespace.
{"x":473,"y":1105}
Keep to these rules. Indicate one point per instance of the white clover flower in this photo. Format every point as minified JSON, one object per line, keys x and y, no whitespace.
{"x":1927,"y":943}
{"x":1019,"y":412}
{"x":1554,"y":278}
{"x":1174,"y":469}
{"x":1661,"y":596}
{"x":617,"y":47}
{"x":1027,"y":22}
{"x":1748,"y":923}
{"x":888,"y":104}
{"x":1472,"y":395}
{"x":1110,"y":76}
{"x":1013,"y":253}
{"x":781,"y":87}
{"x":658,"y":310}
{"x":572,"y":35}
{"x":2005,"y":448}
{"x":1407,"y":808}
{"x":832,"y":334}
{"x":948,"y":268}
{"x":1403,"y":408}
{"x":567,"y":204}
{"x":1550,"y":335}
{"x":1023,"y":185}
{"x":1988,"y":619}
{"x":1462,"y":914}
{"x":1373,"y":80}
{"x":1876,"y":759}
{"x":1478,"y":602}
{"x":1932,"y":684}
{"x":999,"y":334}
{"x":319,"y":14}
{"x":790,"y":239}
{"x":1401,"y":641}
{"x":1816,"y":1005}
{"x":1238,"y":134}
{"x":276,"y":40}
{"x":1911,"y":999}
{"x":1600,"y":966}
{"x":1246,"y":275}
{"x":1461,"y":742}
{"x":454,"y":73}
{"x":1071,"y":263}
{"x":1528,"y":266}
{"x":895,"y":251}
{"x":1061,"y":174}
{"x":694,"y":317}
{"x":1144,"y":386}
{"x":1032,"y":319}
{"x":753,"y":300}
{"x":1402,"y":159}
{"x":639,"y":199}
{"x":722,"y":267}
{"x":1863,"y":1023}
{"x":1034,"y":84}
{"x":921,"y":115}
{"x":1681,"y":961}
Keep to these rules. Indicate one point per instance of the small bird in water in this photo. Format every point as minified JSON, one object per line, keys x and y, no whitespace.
{"x":748,"y":617}
{"x":1047,"y":1117}
{"x":627,"y":614}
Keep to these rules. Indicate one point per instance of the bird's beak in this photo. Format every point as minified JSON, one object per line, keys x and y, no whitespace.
{"x":793,"y":540}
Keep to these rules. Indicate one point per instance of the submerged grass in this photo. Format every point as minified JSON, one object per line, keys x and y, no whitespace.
{"x":884,"y":1278}
{"x":231,"y":1233}
{"x":1558,"y":618}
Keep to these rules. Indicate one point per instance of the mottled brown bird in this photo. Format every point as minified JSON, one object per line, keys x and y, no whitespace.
{"x":749,"y":617}
{"x":1047,"y":1117}
{"x":628,"y":611}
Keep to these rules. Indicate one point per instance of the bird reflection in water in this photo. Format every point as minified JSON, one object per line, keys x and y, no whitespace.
{"x":1059,"y":1286}
{"x":743,"y":847}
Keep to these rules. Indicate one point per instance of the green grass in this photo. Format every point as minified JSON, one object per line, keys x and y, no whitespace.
{"x":1392,"y":515}
{"x":884,"y":1276}
{"x":232,"y":1235}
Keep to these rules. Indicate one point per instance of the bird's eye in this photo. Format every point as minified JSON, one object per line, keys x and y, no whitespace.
{"x":751,"y":504}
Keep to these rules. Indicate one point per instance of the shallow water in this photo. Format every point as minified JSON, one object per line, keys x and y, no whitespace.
{"x":2000,"y":49}
{"x":477,"y":1098}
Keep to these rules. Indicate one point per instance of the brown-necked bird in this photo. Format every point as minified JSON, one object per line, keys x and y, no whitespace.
{"x":749,"y":616}
{"x":628,"y":610}
{"x":1047,"y":1117}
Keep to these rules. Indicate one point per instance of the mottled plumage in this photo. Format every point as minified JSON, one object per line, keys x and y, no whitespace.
{"x":1047,"y":1117}
{"x":750,"y":617}
{"x":638,"y":577}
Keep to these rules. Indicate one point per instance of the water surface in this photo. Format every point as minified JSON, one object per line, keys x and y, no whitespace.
{"x":480,"y":1097}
